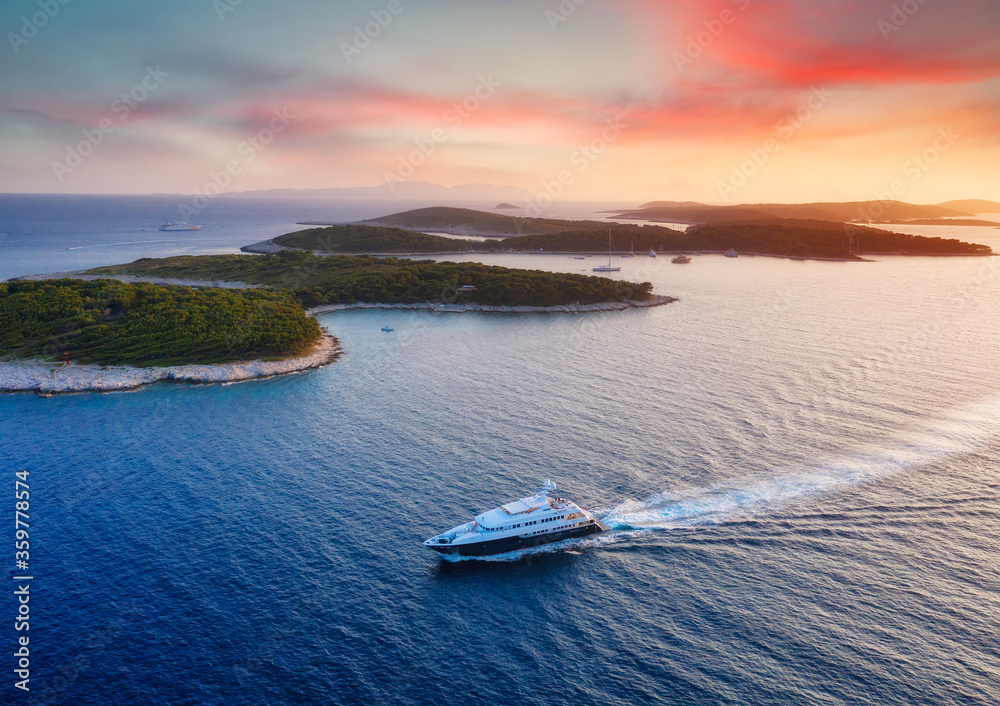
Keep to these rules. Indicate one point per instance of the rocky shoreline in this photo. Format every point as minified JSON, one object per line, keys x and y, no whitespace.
{"x":52,"y":377}
{"x":47,"y":378}
{"x":263,"y":247}
{"x":133,"y":279}
{"x":269,"y":247}
{"x":655,"y":300}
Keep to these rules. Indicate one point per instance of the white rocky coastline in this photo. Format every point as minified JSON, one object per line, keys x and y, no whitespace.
{"x":43,"y":377}
{"x":54,"y":377}
{"x":132,"y":279}
{"x":264,"y":247}
{"x":654,"y":300}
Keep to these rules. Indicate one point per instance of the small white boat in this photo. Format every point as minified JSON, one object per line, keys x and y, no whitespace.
{"x":731,"y":253}
{"x":179,"y":225}
{"x":651,"y":253}
{"x":681,"y":260}
{"x":388,"y":328}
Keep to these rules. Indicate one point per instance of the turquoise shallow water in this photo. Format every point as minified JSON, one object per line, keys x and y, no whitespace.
{"x":799,"y":462}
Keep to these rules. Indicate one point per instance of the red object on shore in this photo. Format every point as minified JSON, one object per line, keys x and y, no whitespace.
{"x":66,"y":353}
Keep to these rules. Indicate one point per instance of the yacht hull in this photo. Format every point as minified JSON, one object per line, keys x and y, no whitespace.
{"x":511,"y":544}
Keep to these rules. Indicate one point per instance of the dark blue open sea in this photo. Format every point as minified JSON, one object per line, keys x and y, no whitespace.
{"x":800,"y":462}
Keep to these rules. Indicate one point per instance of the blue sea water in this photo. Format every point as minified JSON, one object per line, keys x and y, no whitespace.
{"x":798,"y":460}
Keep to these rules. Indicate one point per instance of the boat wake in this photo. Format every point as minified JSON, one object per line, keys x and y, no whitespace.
{"x":963,"y":431}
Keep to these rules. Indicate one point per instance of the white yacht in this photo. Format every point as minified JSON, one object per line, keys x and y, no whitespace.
{"x":541,"y":519}
{"x":178,"y":225}
{"x":608,"y":267}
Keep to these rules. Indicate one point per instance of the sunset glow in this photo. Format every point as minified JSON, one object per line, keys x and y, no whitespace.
{"x":716,"y":101}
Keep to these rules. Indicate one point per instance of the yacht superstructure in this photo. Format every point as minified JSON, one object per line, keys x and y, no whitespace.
{"x":541,"y":519}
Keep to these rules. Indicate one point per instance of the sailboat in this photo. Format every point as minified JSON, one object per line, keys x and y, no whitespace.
{"x":609,"y":268}
{"x":631,"y":252}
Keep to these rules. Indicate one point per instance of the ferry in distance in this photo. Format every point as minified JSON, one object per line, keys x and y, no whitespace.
{"x":541,"y":519}
{"x":178,"y":225}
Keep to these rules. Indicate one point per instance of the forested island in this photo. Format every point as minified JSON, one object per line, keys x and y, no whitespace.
{"x":784,"y":237}
{"x":467,"y":221}
{"x":207,"y":325}
{"x":837,"y":212}
{"x":352,"y":238}
{"x":106,"y":322}
{"x":315,"y":280}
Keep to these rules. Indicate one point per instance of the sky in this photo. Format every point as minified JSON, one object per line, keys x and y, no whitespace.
{"x":719,"y":101}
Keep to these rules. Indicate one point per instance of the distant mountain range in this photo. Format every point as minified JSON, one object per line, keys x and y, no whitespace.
{"x":403,"y":190}
{"x":856,"y":211}
{"x":973,"y":205}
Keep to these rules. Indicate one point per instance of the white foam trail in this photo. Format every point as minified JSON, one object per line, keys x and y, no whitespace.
{"x":962,"y":431}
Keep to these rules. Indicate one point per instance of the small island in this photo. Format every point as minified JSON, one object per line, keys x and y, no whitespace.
{"x":816,"y":238}
{"x":222,"y":318}
{"x":468,"y":222}
{"x":70,"y":334}
{"x":315,"y":280}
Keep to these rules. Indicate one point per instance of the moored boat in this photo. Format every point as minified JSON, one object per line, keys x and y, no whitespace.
{"x":681,"y":260}
{"x":179,"y":225}
{"x":608,"y":267}
{"x":731,"y":252}
{"x":541,"y":519}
